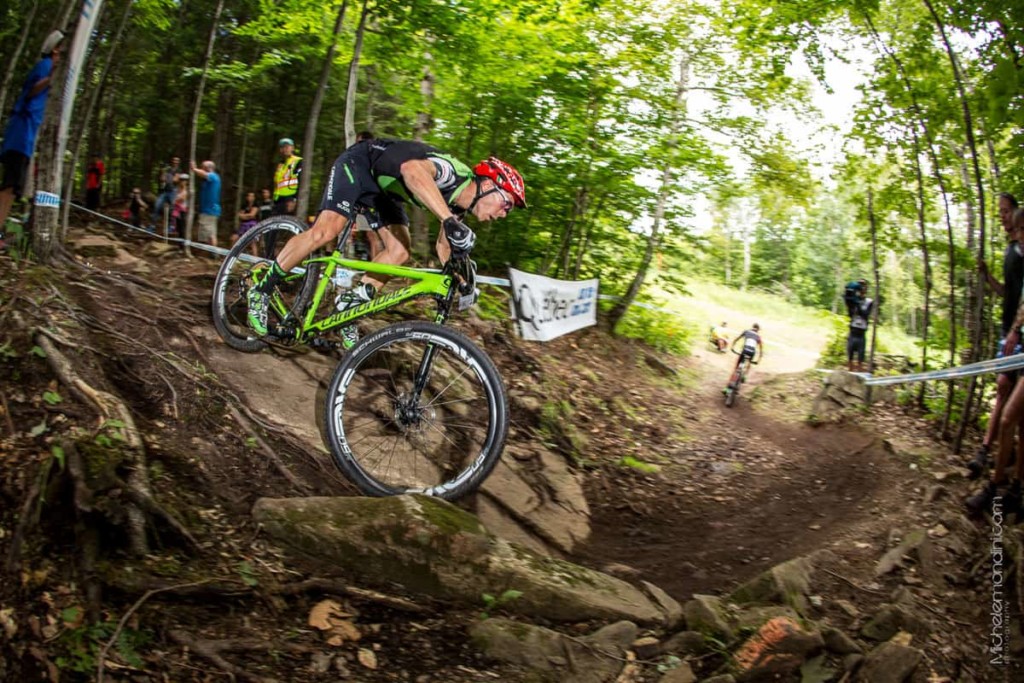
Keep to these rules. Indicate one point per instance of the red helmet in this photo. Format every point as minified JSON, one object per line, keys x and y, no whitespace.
{"x":504,"y":176}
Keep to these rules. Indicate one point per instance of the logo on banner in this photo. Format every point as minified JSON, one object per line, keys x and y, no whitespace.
{"x":547,"y":308}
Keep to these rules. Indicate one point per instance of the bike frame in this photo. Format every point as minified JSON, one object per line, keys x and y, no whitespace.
{"x":427,"y":283}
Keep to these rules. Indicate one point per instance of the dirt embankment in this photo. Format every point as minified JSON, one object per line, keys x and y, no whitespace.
{"x":167,"y":578}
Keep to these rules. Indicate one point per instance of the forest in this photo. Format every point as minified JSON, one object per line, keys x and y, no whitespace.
{"x":660,"y":141}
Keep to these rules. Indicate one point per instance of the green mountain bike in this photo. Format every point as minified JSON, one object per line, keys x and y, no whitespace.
{"x":415,"y":407}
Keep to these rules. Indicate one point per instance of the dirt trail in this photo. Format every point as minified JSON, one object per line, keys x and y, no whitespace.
{"x":749,"y":491}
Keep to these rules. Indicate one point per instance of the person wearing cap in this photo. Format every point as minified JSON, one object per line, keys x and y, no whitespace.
{"x":286,"y":178}
{"x":23,"y":126}
{"x":376,"y":177}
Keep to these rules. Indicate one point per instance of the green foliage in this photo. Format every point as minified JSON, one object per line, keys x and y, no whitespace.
{"x":52,"y":397}
{"x":663,"y":331}
{"x":639,"y":465}
{"x":493,"y":303}
{"x":81,"y":645}
{"x":492,"y":602}
{"x":247,"y":573}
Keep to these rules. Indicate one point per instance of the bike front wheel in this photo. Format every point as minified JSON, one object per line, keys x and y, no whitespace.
{"x":255,"y":250}
{"x":416,"y":408}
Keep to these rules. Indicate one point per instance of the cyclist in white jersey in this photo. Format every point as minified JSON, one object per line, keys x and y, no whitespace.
{"x":751,"y":345}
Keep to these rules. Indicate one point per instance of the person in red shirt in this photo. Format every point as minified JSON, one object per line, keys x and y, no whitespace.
{"x":94,"y":182}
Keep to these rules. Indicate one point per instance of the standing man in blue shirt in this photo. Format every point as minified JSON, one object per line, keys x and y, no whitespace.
{"x":209,"y":202}
{"x":23,"y":126}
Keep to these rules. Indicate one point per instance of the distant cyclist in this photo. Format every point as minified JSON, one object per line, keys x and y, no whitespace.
{"x":752,"y":346}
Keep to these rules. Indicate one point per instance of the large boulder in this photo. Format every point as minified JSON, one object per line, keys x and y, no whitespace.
{"x":843,"y":390}
{"x":889,"y":663}
{"x":596,"y":658}
{"x":788,"y":583}
{"x":431,"y":547}
{"x":533,"y":498}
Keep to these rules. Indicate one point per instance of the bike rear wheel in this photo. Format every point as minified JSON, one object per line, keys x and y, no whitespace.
{"x":730,"y":395}
{"x":257,"y":249}
{"x":389,"y":438}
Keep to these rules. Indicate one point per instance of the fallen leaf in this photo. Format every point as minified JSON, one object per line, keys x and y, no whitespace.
{"x":367,"y":658}
{"x":320,"y":615}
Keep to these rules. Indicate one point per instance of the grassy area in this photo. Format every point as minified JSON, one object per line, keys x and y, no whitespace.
{"x":795,"y":336}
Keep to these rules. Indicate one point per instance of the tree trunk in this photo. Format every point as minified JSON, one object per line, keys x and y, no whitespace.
{"x":90,"y":108}
{"x":878,"y":285}
{"x":194,"y":129}
{"x":679,"y":110}
{"x":927,"y":263}
{"x":309,"y":139}
{"x":420,"y":236}
{"x":588,"y":230}
{"x":51,"y":141}
{"x":353,"y":78}
{"x":12,"y":65}
{"x":240,"y":192}
{"x":979,"y":181}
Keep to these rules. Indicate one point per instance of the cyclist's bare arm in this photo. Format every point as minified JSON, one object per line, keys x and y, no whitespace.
{"x":418,"y":175}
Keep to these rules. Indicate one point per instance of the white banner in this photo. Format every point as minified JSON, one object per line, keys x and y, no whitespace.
{"x":76,"y":57}
{"x":547,"y":308}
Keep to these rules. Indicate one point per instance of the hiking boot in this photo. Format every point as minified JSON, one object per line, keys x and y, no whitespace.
{"x":977,"y":465}
{"x":350,"y":299}
{"x":981,"y":501}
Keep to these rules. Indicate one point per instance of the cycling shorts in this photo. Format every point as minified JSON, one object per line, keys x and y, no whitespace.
{"x":351,"y":190}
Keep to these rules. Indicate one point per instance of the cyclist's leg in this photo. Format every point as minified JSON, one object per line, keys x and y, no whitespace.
{"x":394,"y":236}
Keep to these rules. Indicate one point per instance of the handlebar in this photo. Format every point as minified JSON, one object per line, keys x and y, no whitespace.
{"x":465,"y":268}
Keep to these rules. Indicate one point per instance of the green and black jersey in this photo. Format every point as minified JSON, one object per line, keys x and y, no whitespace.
{"x":368,"y":175}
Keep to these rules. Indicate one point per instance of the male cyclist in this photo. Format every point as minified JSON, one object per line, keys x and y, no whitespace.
{"x":751,"y":346}
{"x":377,"y":176}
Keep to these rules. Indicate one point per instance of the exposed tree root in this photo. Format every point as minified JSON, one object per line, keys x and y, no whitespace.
{"x":109,"y":408}
{"x":268,"y":451}
{"x":212,"y":650}
{"x":214,"y":589}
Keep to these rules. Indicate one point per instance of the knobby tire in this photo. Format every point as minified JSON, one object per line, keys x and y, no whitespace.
{"x":230,"y":309}
{"x":457,"y":435}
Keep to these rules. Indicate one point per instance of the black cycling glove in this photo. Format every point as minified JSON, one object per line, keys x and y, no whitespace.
{"x":459,"y":235}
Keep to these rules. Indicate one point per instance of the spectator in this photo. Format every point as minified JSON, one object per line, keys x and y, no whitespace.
{"x":1011,"y":414}
{"x":1010,"y":290}
{"x":168,"y":190}
{"x":23,"y":126}
{"x":859,"y":306}
{"x":248,"y":216}
{"x":286,"y":179}
{"x":266,"y":204}
{"x":94,"y":182}
{"x":136,"y":206}
{"x":209,"y":202}
{"x":720,"y":336}
{"x":179,"y":212}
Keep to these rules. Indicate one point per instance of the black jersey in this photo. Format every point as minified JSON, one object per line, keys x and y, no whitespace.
{"x":387,"y":156}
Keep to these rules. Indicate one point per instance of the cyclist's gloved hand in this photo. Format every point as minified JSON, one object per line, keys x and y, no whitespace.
{"x":459,"y":235}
